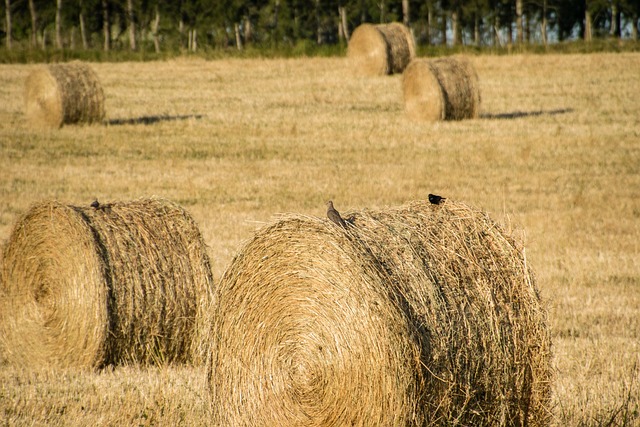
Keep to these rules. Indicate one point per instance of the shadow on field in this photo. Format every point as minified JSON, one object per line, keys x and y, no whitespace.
{"x":519,"y":114}
{"x":150,"y":120}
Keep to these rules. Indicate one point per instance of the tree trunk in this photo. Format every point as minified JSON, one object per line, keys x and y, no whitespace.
{"x":587,"y":25}
{"x":248,"y":30}
{"x":106,"y":25}
{"x":154,"y":31}
{"x":59,"y":24}
{"x":443,"y":28}
{"x":405,"y":13}
{"x":615,"y":20}
{"x":238,"y":38}
{"x":456,"y":28}
{"x":382,"y":7}
{"x":543,"y":24}
{"x":34,"y":24}
{"x":476,"y":28}
{"x":495,"y":34}
{"x":429,"y":22}
{"x":319,"y":38}
{"x":7,"y":4}
{"x":343,"y":22}
{"x":83,"y":28}
{"x":634,"y":26}
{"x":276,"y":11}
{"x":519,"y":22}
{"x":132,"y":25}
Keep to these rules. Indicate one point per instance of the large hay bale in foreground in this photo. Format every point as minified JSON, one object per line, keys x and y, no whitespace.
{"x":441,"y":89}
{"x":87,"y":287}
{"x":376,"y":50}
{"x":63,"y":94}
{"x":414,"y":316}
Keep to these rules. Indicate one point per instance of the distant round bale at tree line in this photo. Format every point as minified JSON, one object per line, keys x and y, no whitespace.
{"x":89,"y":286}
{"x":62,"y":94}
{"x":441,"y":89}
{"x":377,"y":50}
{"x":410,"y":316}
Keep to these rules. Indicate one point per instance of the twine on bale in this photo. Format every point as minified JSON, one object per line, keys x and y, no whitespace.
{"x":413,"y":316}
{"x":376,"y":50}
{"x":125,"y":282}
{"x":60,"y":94}
{"x":441,"y":89}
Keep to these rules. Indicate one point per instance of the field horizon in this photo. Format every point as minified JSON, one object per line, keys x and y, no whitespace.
{"x":554,"y":156}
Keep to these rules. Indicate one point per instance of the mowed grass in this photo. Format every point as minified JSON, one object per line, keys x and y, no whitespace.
{"x":555,"y":156}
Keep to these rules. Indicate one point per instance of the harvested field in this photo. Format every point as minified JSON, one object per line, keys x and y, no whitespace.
{"x":553,"y":156}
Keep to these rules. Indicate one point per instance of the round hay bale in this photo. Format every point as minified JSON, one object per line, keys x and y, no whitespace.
{"x":419,"y":315}
{"x":63,"y":94}
{"x":121,"y":283}
{"x":376,"y":50}
{"x":441,"y":89}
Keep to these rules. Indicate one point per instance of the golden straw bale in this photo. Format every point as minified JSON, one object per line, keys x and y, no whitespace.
{"x":123,"y":282}
{"x":376,"y":50}
{"x":61,"y":94}
{"x":412,"y":316}
{"x":441,"y":89}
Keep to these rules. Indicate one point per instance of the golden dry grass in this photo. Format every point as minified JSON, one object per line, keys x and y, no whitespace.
{"x":555,"y":152}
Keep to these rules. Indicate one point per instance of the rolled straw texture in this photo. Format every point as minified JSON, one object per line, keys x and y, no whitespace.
{"x":421,"y":315}
{"x":60,"y":94}
{"x":377,"y":50}
{"x":87,"y":287}
{"x":441,"y":89}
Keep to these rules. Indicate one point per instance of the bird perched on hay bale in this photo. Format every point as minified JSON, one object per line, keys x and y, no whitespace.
{"x":417,"y":317}
{"x":334,"y":215}
{"x":435,"y":199}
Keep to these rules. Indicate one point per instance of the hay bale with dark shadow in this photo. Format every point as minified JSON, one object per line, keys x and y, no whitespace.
{"x":420,"y":315}
{"x":124,"y":282}
{"x":441,"y":89}
{"x":60,"y":94}
{"x":377,"y":50}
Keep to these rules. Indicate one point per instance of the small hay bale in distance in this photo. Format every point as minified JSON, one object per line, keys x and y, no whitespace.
{"x":377,"y":50}
{"x":87,"y":287}
{"x":62,"y":94}
{"x":441,"y":89}
{"x":412,"y":316}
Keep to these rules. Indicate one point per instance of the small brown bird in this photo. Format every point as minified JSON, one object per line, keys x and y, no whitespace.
{"x":334,"y":215}
{"x":435,"y":199}
{"x":95,"y":204}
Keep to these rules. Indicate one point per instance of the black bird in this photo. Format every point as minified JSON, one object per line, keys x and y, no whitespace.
{"x":334,"y":215}
{"x":95,"y":204}
{"x":434,"y":199}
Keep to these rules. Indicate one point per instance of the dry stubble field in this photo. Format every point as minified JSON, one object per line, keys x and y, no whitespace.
{"x":556,"y":154}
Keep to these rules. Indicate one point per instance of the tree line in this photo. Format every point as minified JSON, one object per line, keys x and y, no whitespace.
{"x":194,"y":24}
